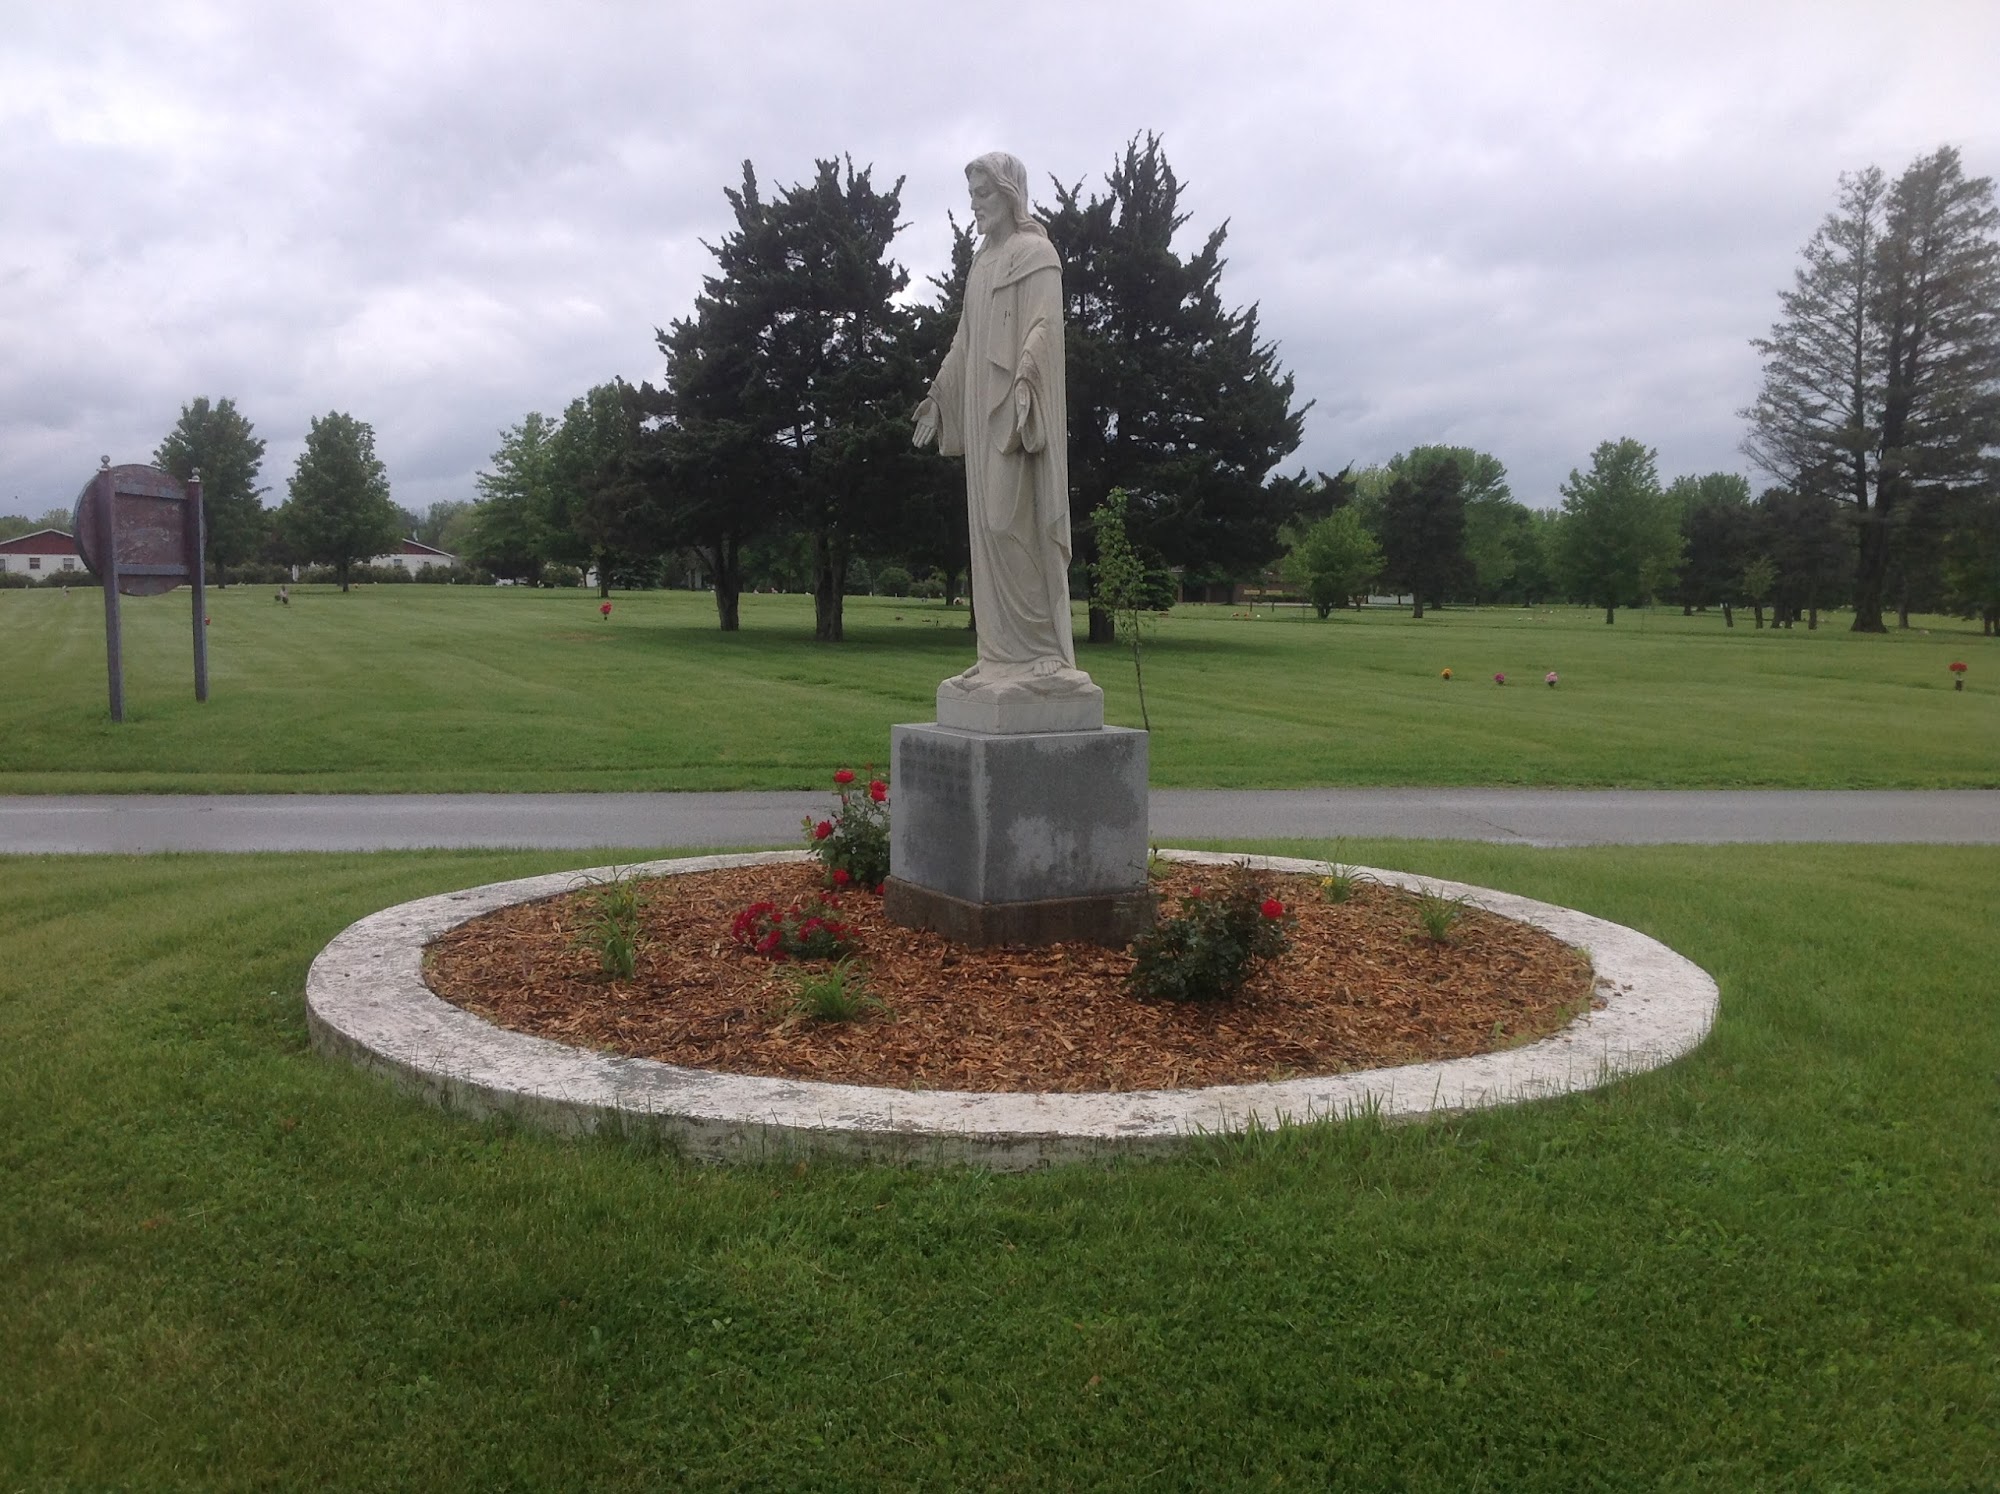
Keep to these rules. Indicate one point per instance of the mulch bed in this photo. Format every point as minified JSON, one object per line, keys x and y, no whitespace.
{"x":1360,"y":987}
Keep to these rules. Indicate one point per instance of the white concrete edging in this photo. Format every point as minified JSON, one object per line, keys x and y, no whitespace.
{"x":366,"y":1001}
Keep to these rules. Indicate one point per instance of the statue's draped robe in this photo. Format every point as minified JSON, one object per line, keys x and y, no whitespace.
{"x":1016,"y":472}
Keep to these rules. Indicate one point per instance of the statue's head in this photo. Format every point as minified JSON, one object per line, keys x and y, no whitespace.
{"x":998,"y":183}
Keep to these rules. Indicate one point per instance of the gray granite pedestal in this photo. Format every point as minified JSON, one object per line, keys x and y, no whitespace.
{"x":1019,"y":838}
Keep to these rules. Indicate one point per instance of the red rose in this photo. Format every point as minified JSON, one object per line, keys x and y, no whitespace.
{"x":878,"y":791}
{"x":844,"y":777}
{"x":1272,"y":908}
{"x":605,"y":608}
{"x":823,"y":829}
{"x":1194,"y":892}
{"x":840,"y":876}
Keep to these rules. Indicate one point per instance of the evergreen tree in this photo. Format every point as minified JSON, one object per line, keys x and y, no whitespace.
{"x":1972,"y":559}
{"x":1716,"y":526}
{"x":339,"y":511}
{"x":1172,"y":397}
{"x":1811,"y":549}
{"x":218,"y":442}
{"x":791,"y":386}
{"x":1422,"y":527}
{"x":1620,"y":538}
{"x":1882,"y":376}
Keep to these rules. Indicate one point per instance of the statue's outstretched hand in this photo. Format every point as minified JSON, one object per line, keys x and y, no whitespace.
{"x":927,"y":425}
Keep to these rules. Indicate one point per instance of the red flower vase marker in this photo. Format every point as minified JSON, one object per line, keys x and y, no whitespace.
{"x":604,"y":611}
{"x":1551,"y":678}
{"x":1499,"y":679}
{"x":1957,"y":668}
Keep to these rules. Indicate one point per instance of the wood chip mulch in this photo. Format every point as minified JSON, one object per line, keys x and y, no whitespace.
{"x":1359,"y":987}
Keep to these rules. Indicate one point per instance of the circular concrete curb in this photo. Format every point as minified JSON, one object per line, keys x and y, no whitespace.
{"x":366,"y":1002}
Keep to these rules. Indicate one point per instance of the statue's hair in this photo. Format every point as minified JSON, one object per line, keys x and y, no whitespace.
{"x":1011,"y":177}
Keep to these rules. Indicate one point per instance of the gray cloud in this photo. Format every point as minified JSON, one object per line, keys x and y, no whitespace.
{"x":1528,"y":228}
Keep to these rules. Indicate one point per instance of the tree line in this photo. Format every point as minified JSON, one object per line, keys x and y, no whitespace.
{"x":775,"y":451}
{"x":1439,"y":523}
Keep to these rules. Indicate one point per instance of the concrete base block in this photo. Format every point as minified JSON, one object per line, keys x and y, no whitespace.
{"x":1040,"y":820}
{"x":1114,"y":920}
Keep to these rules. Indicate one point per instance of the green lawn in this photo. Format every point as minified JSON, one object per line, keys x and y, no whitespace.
{"x":420,"y":688}
{"x":232,"y":1265}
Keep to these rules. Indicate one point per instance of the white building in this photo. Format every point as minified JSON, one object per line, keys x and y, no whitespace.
{"x":414,"y":556}
{"x":43,"y":553}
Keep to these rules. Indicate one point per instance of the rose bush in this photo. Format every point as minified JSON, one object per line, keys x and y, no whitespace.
{"x":852,"y":843}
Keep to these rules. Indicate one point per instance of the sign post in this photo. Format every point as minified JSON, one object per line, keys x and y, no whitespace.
{"x":142,"y":532}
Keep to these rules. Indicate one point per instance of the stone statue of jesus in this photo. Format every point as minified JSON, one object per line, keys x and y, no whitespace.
{"x":999,"y":402}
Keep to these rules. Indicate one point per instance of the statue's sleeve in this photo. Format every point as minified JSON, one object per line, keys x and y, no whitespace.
{"x":947,"y":396}
{"x":1041,"y":314}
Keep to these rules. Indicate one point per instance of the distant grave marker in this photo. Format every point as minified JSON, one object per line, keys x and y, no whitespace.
{"x":141,"y":532}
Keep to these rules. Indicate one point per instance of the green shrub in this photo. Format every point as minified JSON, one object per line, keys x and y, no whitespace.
{"x":892,"y":581}
{"x":1208,"y":950}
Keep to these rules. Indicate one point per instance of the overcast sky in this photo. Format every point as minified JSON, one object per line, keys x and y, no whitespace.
{"x":1522,"y":227}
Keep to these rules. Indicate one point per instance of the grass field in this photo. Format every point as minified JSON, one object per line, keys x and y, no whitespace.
{"x":420,"y":688}
{"x":232,"y":1265}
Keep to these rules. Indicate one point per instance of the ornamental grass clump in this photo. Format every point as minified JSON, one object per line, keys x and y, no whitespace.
{"x":611,"y":927}
{"x":804,"y":931}
{"x":1438,"y":915}
{"x":852,"y":843}
{"x":1209,"y":949}
{"x":838,"y":993}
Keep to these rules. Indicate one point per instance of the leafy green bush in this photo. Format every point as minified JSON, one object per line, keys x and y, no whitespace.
{"x":892,"y":581}
{"x":1208,"y":950}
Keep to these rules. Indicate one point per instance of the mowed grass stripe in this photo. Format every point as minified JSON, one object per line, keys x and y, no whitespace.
{"x":234,"y":1265}
{"x":433,"y":689}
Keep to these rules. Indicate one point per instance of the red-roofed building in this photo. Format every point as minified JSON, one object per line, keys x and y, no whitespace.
{"x":43,"y":553}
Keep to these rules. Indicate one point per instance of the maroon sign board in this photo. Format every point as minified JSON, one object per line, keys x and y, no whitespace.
{"x":141,"y":532}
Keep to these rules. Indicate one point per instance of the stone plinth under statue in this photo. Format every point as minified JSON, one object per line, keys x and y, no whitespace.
{"x":1021,"y":837}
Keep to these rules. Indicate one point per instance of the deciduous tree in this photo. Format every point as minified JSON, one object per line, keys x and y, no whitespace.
{"x":339,"y":511}
{"x":219,"y":443}
{"x":509,"y":534}
{"x":1333,"y":560}
{"x":1620,"y":538}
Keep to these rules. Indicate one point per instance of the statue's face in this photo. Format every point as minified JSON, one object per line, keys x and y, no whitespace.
{"x":991,"y":210}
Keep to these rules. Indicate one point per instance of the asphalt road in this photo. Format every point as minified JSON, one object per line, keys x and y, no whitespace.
{"x":120,"y":823}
